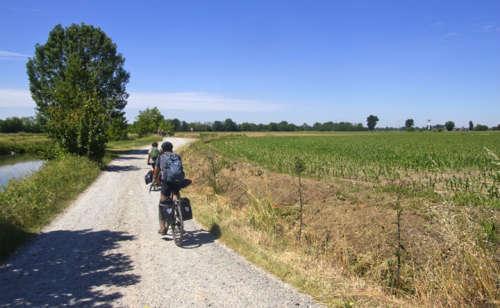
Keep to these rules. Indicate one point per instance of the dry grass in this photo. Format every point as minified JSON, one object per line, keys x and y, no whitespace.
{"x":348,"y":249}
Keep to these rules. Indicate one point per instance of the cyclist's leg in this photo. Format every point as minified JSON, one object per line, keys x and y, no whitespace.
{"x":176,"y":195}
{"x":164,"y":196}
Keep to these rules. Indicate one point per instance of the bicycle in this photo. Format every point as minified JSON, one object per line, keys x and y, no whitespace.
{"x":173,"y":217}
{"x":154,"y":185}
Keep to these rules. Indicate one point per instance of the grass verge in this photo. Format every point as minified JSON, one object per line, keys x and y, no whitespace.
{"x":132,"y":143}
{"x":22,"y":143}
{"x":27,"y":205}
{"x":216,"y":215}
{"x":360,"y":245}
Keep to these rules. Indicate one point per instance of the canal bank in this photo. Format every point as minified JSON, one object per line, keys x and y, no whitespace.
{"x":28,"y":204}
{"x":17,"y":167}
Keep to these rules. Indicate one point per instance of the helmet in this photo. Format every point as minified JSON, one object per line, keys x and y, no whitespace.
{"x":167,"y":146}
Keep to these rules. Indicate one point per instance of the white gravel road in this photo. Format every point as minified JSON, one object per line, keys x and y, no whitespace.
{"x":105,"y":251}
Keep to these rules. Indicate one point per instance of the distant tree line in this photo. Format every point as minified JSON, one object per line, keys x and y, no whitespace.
{"x":21,"y":124}
{"x":229,"y":125}
{"x":152,"y":121}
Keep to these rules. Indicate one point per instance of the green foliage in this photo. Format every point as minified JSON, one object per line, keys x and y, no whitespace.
{"x":450,"y":125}
{"x":451,"y":166}
{"x":218,"y":126}
{"x":300,"y":166}
{"x":215,"y":166}
{"x":23,"y":124}
{"x":118,"y":128}
{"x":409,"y":123}
{"x":371,"y":121}
{"x":20,"y":143}
{"x":230,"y":126}
{"x":132,"y":142}
{"x":30,"y":203}
{"x":78,"y":82}
{"x":481,"y":127}
{"x":92,"y":135}
{"x":166,"y":127}
{"x":366,"y":155}
{"x":149,"y":121}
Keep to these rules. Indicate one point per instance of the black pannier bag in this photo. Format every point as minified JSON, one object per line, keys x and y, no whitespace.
{"x":167,"y":211}
{"x":148,"y":178}
{"x":187,"y":213}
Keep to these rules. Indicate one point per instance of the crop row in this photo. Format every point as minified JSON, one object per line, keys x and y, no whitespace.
{"x":450,"y":164}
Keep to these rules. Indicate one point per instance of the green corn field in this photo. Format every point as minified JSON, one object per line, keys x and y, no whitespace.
{"x":460,"y":167}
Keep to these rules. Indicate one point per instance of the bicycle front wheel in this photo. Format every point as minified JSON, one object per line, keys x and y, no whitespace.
{"x":178,"y":226}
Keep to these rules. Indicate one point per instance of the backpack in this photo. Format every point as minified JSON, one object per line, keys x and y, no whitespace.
{"x":148,"y":178}
{"x":187,"y":212}
{"x":154,"y":153}
{"x":173,"y":171}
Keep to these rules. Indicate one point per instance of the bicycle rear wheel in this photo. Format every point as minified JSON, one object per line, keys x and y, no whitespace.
{"x":178,"y":225}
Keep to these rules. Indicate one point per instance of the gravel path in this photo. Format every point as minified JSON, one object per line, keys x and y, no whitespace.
{"x":105,"y":251}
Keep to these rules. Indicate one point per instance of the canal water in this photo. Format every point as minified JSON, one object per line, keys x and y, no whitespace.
{"x":17,"y":168}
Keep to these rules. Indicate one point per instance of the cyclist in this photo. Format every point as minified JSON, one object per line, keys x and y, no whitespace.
{"x":153,"y":154}
{"x":170,"y":172}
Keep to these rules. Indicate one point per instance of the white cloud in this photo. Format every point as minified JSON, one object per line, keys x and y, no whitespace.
{"x":196,"y":101}
{"x":4,"y":54}
{"x":15,"y":98}
{"x":181,"y":101}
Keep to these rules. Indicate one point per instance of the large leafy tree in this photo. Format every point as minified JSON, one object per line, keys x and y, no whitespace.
{"x":450,"y":125}
{"x":78,"y":82}
{"x":149,"y":121}
{"x":230,"y":125}
{"x":471,"y":125}
{"x":371,"y":121}
{"x":409,"y":123}
{"x":218,"y":126}
{"x":118,"y":127}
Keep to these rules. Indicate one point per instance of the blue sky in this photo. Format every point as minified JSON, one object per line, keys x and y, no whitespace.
{"x":300,"y":61}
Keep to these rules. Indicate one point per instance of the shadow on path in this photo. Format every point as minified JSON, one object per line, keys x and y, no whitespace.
{"x":62,"y":268}
{"x":197,"y":238}
{"x":119,"y":168}
{"x":128,"y":158}
{"x":130,"y":152}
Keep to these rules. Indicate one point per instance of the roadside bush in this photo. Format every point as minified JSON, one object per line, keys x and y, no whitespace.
{"x":27,"y":205}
